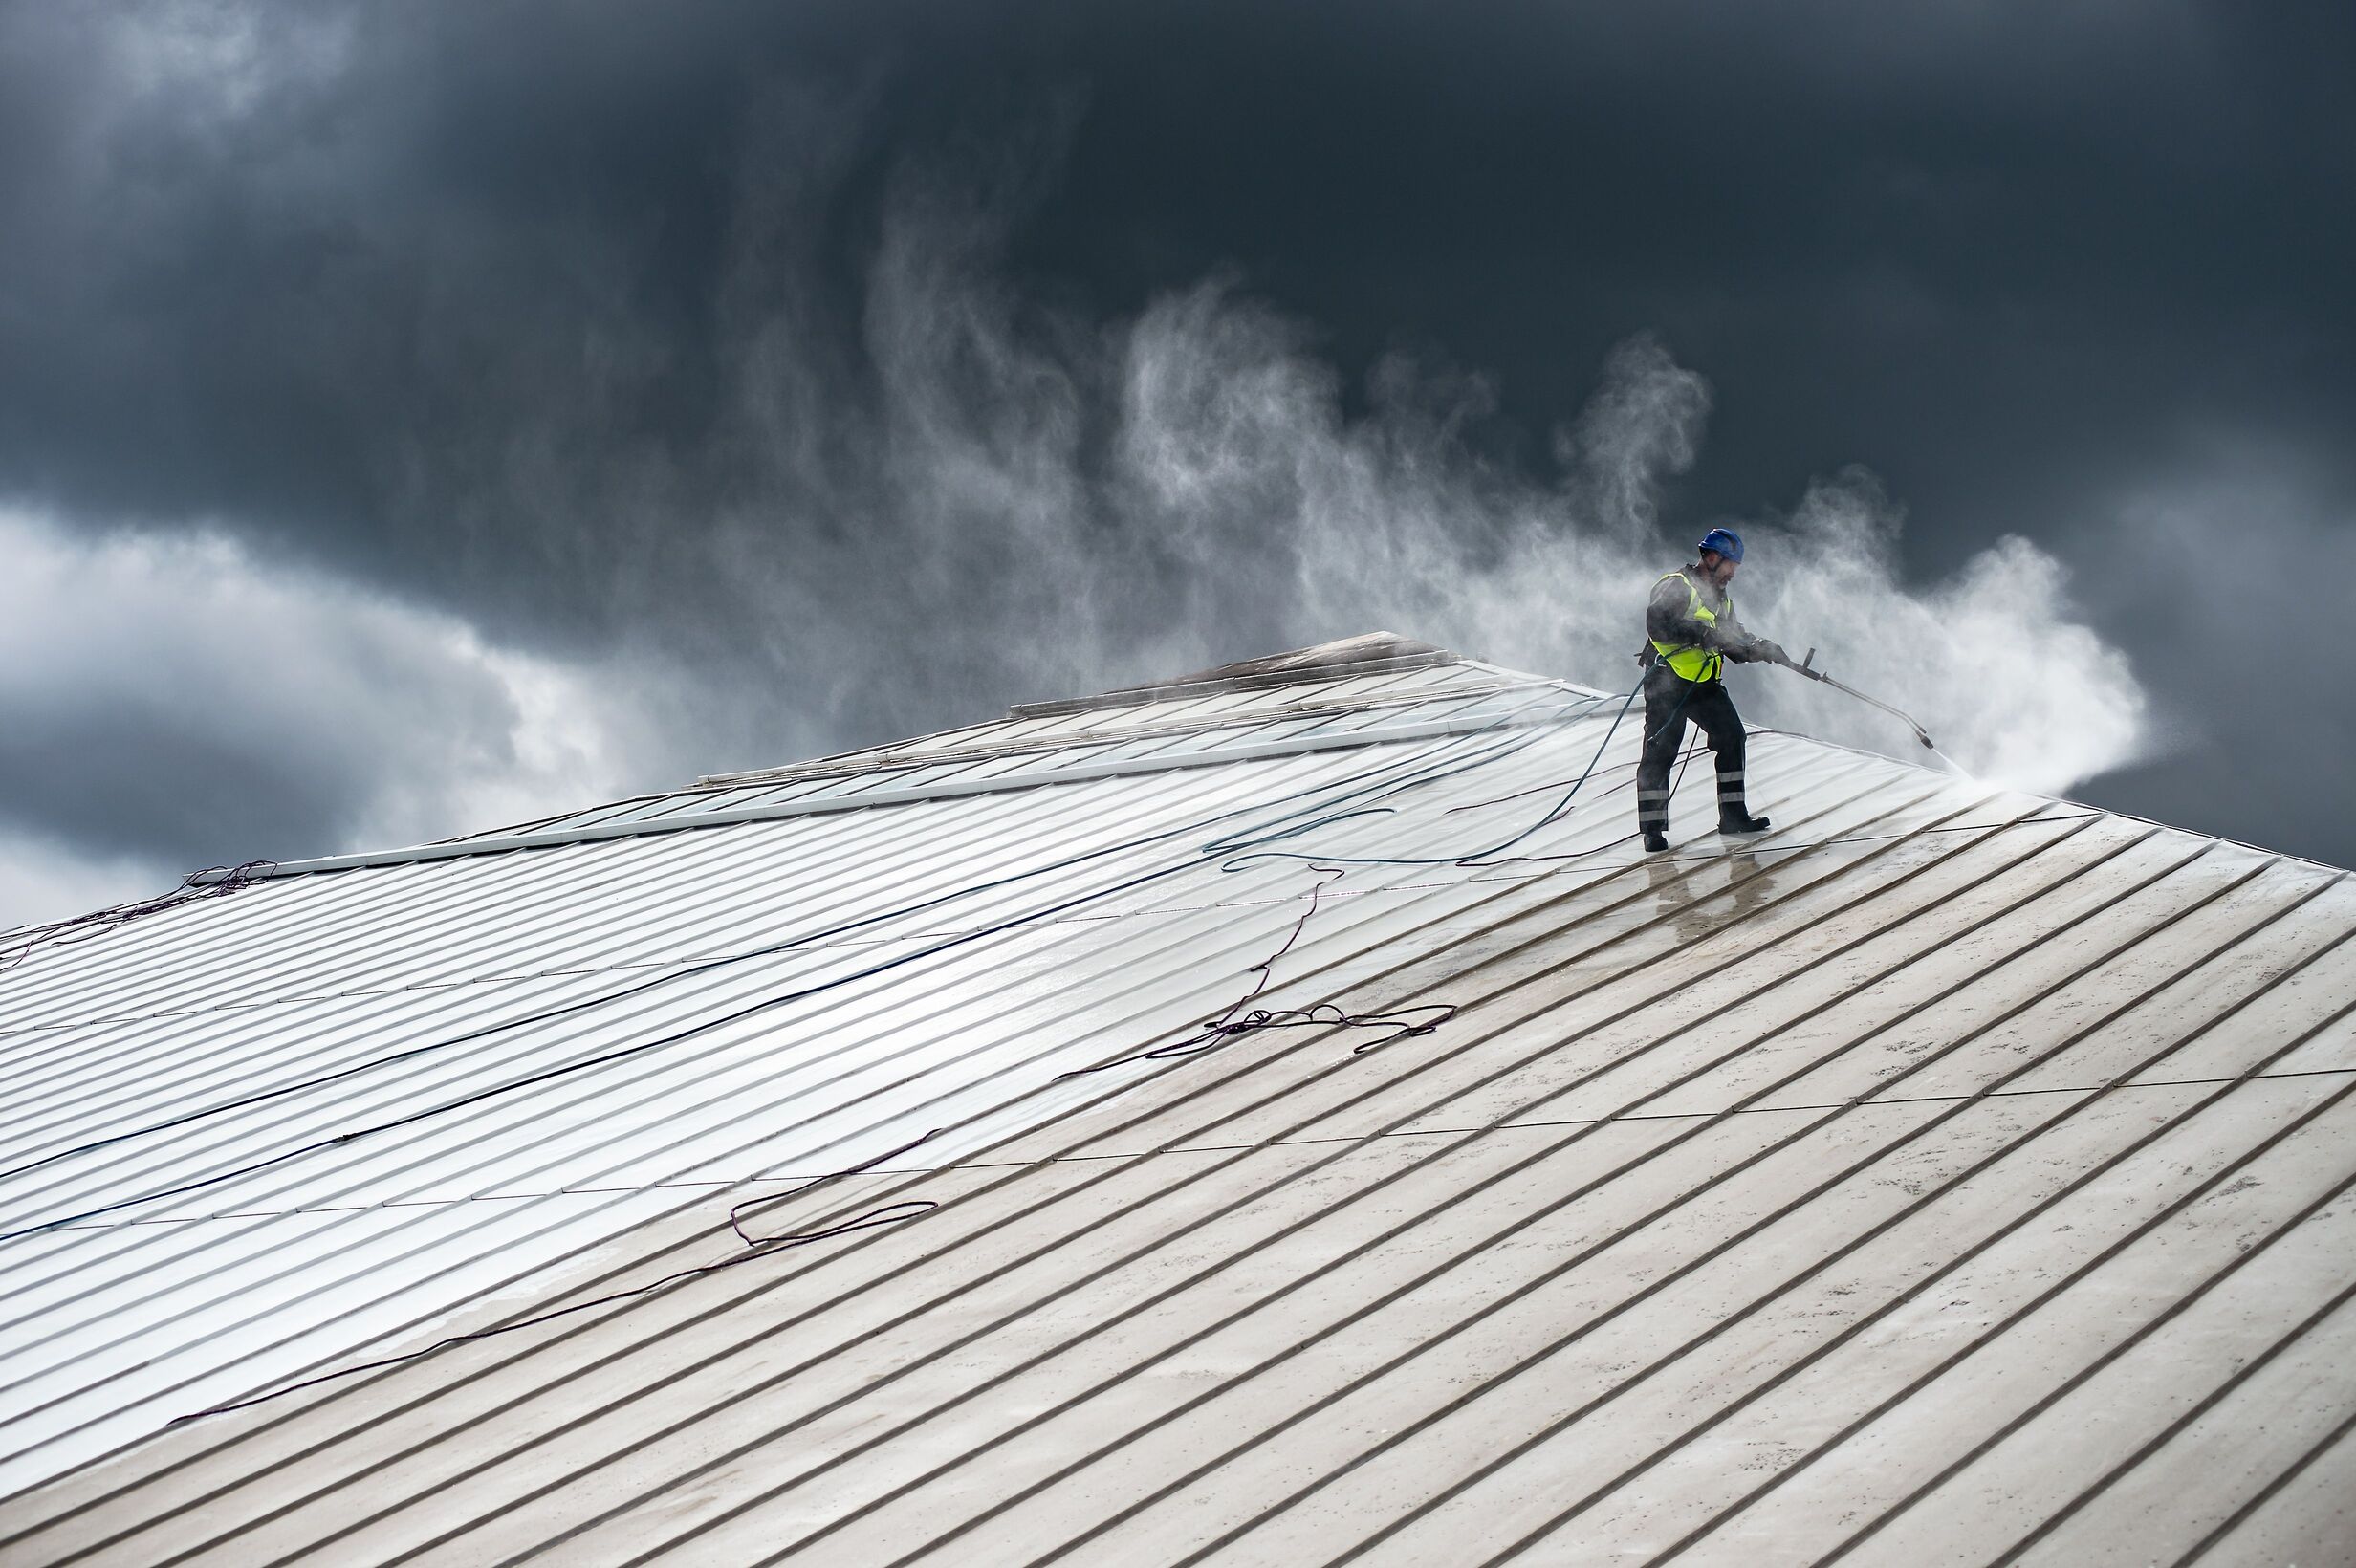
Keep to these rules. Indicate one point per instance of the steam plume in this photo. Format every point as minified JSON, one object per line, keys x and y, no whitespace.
{"x":923,"y":493}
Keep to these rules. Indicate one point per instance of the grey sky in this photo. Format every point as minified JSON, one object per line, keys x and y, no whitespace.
{"x":411,"y":414}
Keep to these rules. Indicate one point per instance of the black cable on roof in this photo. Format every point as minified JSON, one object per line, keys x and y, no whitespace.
{"x":212,"y":882}
{"x":1285,"y":827}
{"x":1238,"y":1020}
{"x":1470,"y":858}
{"x":890,"y":1213}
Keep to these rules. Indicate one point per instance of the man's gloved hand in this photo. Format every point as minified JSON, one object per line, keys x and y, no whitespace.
{"x":1771,"y":652}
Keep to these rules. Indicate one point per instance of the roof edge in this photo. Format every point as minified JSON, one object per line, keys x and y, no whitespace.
{"x":1130,"y":696}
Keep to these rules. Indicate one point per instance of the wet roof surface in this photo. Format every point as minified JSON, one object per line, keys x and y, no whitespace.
{"x":1949,"y":1174}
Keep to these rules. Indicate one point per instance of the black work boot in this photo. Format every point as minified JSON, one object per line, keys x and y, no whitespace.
{"x":1656,"y":843}
{"x":1737,"y":820}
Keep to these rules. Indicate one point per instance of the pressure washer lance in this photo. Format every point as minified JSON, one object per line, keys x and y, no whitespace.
{"x":1805,"y":667}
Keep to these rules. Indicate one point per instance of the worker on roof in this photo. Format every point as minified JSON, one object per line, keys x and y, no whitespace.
{"x":1691,"y":632}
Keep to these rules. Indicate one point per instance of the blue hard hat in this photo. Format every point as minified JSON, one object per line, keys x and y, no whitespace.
{"x":1726,"y":542}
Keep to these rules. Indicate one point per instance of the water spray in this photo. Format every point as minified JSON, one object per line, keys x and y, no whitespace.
{"x":1807,"y":667}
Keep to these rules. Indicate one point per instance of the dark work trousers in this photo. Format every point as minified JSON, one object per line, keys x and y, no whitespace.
{"x":1670,"y":703}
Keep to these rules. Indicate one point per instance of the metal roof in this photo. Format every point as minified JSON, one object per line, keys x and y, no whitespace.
{"x":1016,"y":753}
{"x":1951,"y":1175}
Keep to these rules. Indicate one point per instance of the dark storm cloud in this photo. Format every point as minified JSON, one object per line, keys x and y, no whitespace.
{"x":160,"y":693}
{"x":841,"y":371}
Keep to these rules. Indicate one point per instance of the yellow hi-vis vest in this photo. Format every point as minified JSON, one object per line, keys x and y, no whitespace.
{"x":1693,"y":661}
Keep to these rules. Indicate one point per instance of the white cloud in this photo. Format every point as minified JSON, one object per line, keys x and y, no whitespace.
{"x":164,"y":692}
{"x":218,"y":56}
{"x":41,"y":880}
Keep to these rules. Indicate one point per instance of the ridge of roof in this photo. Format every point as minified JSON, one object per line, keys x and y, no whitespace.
{"x":847,"y":765}
{"x":1369,"y":653}
{"x":1464,"y":721}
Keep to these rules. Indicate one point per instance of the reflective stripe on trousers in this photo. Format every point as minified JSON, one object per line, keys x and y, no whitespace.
{"x":1670,"y":703}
